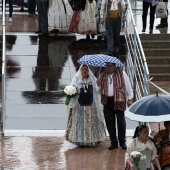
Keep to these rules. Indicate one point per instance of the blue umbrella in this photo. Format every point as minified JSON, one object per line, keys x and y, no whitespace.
{"x":152,"y":108}
{"x":99,"y":60}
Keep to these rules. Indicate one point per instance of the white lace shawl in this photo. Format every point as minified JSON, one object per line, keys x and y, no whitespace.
{"x":76,"y":81}
{"x":139,"y":146}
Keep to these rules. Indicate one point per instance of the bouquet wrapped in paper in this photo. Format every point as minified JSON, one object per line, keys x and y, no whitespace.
{"x":136,"y":157}
{"x":70,"y":91}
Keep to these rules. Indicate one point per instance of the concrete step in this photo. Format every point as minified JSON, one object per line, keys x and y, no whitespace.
{"x":156,"y":51}
{"x":159,"y":68}
{"x":156,"y":43}
{"x":154,"y":37}
{"x":158,"y":59}
{"x":160,"y":76}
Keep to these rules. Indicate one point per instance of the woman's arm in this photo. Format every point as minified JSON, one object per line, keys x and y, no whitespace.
{"x":156,"y":161}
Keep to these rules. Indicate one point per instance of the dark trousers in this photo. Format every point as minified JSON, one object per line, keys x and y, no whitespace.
{"x":113,"y":27}
{"x":42,"y":8}
{"x":146,"y":6}
{"x":10,"y":7}
{"x":31,"y":6}
{"x":110,"y":117}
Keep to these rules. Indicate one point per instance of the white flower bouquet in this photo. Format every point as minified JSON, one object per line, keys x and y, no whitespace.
{"x":70,"y":91}
{"x":136,"y":157}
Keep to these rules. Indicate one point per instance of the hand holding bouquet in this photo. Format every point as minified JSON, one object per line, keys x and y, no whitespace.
{"x":136,"y":157}
{"x":70,"y":91}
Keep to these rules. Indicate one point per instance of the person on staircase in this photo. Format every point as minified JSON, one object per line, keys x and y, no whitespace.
{"x":164,"y":21}
{"x":146,"y":5}
{"x":42,"y":8}
{"x":113,"y":11}
{"x":10,"y":9}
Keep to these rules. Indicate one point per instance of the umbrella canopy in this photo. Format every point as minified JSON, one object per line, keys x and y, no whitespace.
{"x":99,"y":60}
{"x":152,"y":108}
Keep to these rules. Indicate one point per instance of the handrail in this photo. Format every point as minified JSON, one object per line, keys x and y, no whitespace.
{"x":136,"y":65}
{"x":3,"y":66}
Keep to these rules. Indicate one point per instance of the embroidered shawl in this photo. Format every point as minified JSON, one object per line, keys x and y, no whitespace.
{"x":118,"y":88}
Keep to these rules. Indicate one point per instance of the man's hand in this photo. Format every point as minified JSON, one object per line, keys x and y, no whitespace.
{"x":98,"y":81}
{"x":129,"y":102}
{"x":102,"y":20}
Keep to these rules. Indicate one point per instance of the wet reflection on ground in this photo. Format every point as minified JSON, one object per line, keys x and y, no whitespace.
{"x":37,"y":71}
{"x":55,"y":153}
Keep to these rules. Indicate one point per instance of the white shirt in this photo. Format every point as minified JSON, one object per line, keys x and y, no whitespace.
{"x":114,"y":6}
{"x":128,"y":87}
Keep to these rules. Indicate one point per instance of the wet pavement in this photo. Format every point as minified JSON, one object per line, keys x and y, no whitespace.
{"x":37,"y":71}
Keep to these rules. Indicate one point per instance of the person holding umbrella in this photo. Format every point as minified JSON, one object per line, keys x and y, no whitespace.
{"x":115,"y":89}
{"x":162,"y":138}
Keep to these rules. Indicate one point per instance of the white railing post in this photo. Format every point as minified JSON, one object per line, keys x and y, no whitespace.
{"x":3,"y":66}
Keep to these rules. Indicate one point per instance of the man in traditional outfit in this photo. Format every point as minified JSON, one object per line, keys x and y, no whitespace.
{"x":111,"y":12}
{"x":42,"y":8}
{"x":162,"y":138}
{"x":115,"y":89}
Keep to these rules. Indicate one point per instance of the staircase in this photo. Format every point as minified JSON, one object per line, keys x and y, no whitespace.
{"x":157,"y":51}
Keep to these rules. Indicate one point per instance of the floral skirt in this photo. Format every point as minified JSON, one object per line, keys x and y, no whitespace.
{"x":84,"y":128}
{"x":75,"y":22}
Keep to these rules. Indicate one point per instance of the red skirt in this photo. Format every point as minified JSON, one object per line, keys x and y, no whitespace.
{"x":75,"y":22}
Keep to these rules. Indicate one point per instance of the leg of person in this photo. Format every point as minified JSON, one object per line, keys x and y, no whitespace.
{"x":38,"y":9}
{"x":121,"y":123}
{"x":33,"y":6}
{"x":29,"y":8}
{"x":116,"y":35}
{"x":110,"y":123}
{"x":164,"y":22}
{"x":109,"y":35}
{"x":144,"y":15}
{"x":43,"y":16}
{"x":10,"y":10}
{"x":152,"y":17}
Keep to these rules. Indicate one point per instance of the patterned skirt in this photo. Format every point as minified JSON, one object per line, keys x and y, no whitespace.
{"x":84,"y":128}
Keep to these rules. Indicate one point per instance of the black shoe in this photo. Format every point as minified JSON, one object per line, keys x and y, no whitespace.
{"x":55,"y":31}
{"x":87,"y":37}
{"x":30,"y":15}
{"x":150,"y":31}
{"x":43,"y":34}
{"x":162,"y":26}
{"x":37,"y":32}
{"x":144,"y":29}
{"x":113,"y":147}
{"x":123,"y":145}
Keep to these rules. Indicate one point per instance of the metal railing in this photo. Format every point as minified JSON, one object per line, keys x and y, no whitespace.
{"x":136,"y":65}
{"x":3,"y":67}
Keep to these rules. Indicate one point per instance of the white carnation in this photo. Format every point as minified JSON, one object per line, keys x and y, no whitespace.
{"x":70,"y":90}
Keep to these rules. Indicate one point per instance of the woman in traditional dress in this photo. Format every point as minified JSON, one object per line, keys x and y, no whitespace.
{"x":84,"y":20}
{"x":143,"y":144}
{"x":162,"y":138}
{"x":59,"y":15}
{"x":86,"y":125}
